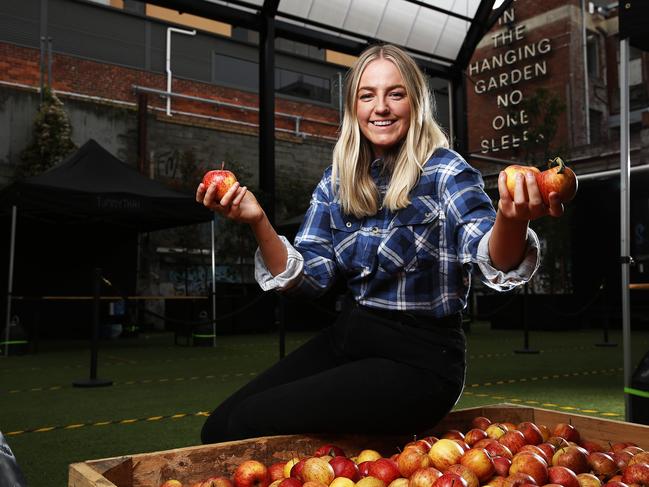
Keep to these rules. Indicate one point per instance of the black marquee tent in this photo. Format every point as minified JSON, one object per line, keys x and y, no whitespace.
{"x":84,"y":213}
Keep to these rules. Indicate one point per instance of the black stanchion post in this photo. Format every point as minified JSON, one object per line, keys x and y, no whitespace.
{"x":526,"y":333}
{"x":94,"y":344}
{"x":607,"y":319}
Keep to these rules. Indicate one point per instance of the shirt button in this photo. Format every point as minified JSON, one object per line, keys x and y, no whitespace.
{"x":375,"y":230}
{"x":348,"y":224}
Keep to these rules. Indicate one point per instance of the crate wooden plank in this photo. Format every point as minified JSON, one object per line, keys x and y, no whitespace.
{"x":196,"y":463}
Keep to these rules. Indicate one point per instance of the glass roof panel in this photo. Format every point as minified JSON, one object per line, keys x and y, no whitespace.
{"x":364,"y":16}
{"x":401,"y":15}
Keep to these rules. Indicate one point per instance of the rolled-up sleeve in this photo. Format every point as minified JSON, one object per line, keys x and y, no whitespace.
{"x":505,"y":281}
{"x":286,"y":279}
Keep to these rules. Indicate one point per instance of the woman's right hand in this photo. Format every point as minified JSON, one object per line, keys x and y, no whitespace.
{"x":237,"y":204}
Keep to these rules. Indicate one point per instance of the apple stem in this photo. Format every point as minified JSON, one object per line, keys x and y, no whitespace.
{"x":559,"y":162}
{"x":222,"y":165}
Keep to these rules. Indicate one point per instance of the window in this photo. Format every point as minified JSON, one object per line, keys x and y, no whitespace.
{"x":244,"y":74}
{"x":592,"y":55}
{"x":595,"y":122}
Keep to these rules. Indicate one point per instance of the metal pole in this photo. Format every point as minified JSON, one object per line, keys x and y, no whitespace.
{"x":451,"y":133}
{"x":42,"y":68}
{"x":10,"y":283}
{"x":625,"y":164}
{"x":168,"y":59}
{"x":49,"y":63}
{"x":213,"y":285}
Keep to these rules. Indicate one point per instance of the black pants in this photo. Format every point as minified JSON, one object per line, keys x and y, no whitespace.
{"x":370,"y":372}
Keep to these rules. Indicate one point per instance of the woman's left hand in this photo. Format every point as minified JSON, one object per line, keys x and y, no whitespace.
{"x":527,"y":203}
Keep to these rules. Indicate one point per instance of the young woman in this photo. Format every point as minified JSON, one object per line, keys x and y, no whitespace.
{"x":404,"y":221}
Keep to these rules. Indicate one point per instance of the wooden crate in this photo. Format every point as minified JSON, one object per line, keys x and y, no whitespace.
{"x":196,"y":463}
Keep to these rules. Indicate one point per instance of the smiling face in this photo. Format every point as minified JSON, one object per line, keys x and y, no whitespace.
{"x":382,"y":106}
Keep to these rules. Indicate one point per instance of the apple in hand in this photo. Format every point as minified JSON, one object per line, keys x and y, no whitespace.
{"x":251,"y":473}
{"x":515,"y":169}
{"x":222,"y":178}
{"x":558,"y":179}
{"x":344,"y":467}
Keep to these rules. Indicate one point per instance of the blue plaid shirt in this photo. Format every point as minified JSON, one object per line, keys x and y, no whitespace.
{"x":417,"y":259}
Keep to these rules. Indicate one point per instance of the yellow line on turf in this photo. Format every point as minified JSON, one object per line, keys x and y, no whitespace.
{"x":74,"y":426}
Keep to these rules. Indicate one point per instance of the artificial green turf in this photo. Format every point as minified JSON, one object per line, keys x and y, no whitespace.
{"x":154,"y":378}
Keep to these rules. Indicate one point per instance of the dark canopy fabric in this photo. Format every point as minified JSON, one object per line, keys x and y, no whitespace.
{"x":94,"y":187}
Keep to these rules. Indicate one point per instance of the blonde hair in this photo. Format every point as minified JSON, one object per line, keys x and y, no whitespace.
{"x":352,"y":154}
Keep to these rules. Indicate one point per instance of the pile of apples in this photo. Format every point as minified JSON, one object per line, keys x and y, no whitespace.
{"x":489,"y":454}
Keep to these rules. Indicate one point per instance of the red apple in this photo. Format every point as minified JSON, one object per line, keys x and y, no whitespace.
{"x":557,"y":179}
{"x":221,"y":178}
{"x":364,"y":468}
{"x":591,"y":446}
{"x":370,"y":482}
{"x":314,"y":483}
{"x":290,"y":482}
{"x":453,"y":435}
{"x":545,"y":431}
{"x":344,"y":467}
{"x":496,"y":430}
{"x":548,"y":449}
{"x":588,"y":480}
{"x":480,"y":422}
{"x":424,"y":477}
{"x":535,"y":449}
{"x":445,"y":453}
{"x":531,"y":464}
{"x":642,"y":457}
{"x":317,"y":470}
{"x":497,"y":449}
{"x":450,"y":480}
{"x":480,"y":463}
{"x":462,"y":444}
{"x":558,"y":442}
{"x":622,"y":458}
{"x":518,"y":480}
{"x":514,"y":440}
{"x":474,"y":435}
{"x":621,"y":445}
{"x":217,"y":482}
{"x":412,"y":459}
{"x":276,"y":471}
{"x":502,"y":465}
{"x":531,"y":432}
{"x":296,"y":470}
{"x":509,"y":426}
{"x":466,"y":473}
{"x":566,"y":431}
{"x":573,"y":457}
{"x":615,"y":483}
{"x":172,"y":483}
{"x":602,"y":464}
{"x":384,"y":469}
{"x":562,"y":475}
{"x":251,"y":473}
{"x":331,"y":450}
{"x":637,"y":473}
{"x":496,"y":481}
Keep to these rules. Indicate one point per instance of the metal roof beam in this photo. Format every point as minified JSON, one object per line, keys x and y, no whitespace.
{"x":439,"y":9}
{"x":212,"y":11}
{"x":479,"y":27}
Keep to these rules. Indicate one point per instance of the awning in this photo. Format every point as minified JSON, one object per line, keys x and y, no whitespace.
{"x":441,"y":33}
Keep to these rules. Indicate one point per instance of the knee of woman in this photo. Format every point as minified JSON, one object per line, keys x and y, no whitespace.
{"x":213,"y":430}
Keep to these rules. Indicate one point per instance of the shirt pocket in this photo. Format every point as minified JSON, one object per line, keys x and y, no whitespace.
{"x":412,"y":241}
{"x":345,"y":233}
